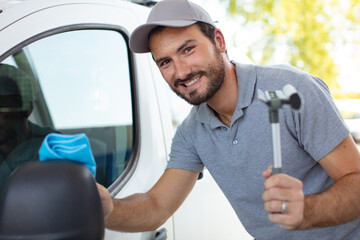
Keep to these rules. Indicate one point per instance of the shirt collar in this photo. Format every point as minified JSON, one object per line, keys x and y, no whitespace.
{"x":246,"y":77}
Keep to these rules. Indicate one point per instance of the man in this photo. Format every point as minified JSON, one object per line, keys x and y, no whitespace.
{"x":20,"y":139}
{"x":228,"y":132}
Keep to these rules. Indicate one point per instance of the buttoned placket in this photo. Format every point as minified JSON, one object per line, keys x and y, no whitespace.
{"x":233,"y":134}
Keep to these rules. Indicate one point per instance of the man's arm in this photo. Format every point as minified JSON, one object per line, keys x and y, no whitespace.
{"x":343,"y":166}
{"x":336,"y":205}
{"x":147,"y":211}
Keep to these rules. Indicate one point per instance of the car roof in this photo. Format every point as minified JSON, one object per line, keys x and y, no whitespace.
{"x":7,"y":3}
{"x":13,"y":10}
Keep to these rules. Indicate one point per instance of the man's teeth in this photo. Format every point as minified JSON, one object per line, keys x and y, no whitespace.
{"x":192,"y":82}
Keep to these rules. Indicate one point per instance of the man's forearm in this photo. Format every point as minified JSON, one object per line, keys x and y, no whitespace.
{"x":338,"y":204}
{"x":135,"y":213}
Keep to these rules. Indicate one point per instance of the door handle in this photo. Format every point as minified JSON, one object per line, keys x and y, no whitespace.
{"x":161,"y":234}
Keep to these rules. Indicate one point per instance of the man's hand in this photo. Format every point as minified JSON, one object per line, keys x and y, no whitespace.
{"x":280,"y":188}
{"x":106,"y":200}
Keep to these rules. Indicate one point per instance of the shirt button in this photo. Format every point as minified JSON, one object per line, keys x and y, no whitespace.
{"x":235,"y":142}
{"x":225,"y":128}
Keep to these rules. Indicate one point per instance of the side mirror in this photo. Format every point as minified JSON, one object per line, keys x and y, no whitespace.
{"x":51,"y":200}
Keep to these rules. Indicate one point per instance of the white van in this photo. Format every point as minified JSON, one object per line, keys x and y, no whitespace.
{"x":86,"y":80}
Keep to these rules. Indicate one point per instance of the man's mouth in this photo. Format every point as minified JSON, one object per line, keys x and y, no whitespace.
{"x":192,"y":81}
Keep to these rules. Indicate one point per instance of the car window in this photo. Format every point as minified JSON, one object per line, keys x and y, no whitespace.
{"x":80,"y":83}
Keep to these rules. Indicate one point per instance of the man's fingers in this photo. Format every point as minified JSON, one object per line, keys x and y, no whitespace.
{"x":286,"y":220}
{"x":268,"y":172}
{"x":282,"y":181}
{"x":273,"y":206}
{"x":106,"y":200}
{"x":283,"y":194}
{"x":284,"y":200}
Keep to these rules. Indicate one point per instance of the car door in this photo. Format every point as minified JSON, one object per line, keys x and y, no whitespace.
{"x":84,"y":79}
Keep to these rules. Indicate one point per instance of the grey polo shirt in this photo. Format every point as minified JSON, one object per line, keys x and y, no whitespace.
{"x":236,"y":156}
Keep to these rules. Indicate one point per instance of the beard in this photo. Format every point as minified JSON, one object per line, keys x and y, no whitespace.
{"x":215,"y":73}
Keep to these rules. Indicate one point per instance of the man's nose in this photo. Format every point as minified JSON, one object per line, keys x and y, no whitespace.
{"x":182,"y":69}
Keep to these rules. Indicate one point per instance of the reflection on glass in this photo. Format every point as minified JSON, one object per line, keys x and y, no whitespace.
{"x":80,"y":84}
{"x":20,"y":139}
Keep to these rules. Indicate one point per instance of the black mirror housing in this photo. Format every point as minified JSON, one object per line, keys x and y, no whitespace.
{"x":51,"y":200}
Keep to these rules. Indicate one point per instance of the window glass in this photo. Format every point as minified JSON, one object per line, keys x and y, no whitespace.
{"x":79,"y":83}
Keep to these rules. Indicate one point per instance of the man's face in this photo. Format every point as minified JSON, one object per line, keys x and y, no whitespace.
{"x":189,"y":62}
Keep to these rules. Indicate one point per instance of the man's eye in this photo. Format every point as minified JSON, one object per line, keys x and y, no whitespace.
{"x":188,"y":49}
{"x":163,"y":63}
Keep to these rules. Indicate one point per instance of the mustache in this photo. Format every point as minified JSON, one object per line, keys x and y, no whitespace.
{"x":191,"y":75}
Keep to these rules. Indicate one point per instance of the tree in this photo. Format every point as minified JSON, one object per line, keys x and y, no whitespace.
{"x":304,"y":32}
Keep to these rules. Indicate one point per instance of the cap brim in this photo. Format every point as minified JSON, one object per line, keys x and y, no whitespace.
{"x":139,"y":39}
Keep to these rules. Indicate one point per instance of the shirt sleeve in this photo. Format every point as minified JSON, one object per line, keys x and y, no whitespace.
{"x":183,"y":154}
{"x":319,"y":124}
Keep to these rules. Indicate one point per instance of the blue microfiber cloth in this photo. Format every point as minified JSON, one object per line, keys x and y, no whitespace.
{"x":68,"y":147}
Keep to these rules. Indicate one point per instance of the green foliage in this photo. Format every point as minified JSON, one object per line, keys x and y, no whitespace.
{"x":342,"y":95}
{"x":353,"y":12}
{"x":304,"y":28}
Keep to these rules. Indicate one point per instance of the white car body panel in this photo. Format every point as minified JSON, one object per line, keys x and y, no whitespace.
{"x":206,"y":214}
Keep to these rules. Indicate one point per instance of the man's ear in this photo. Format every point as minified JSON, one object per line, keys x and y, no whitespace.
{"x":219,"y":40}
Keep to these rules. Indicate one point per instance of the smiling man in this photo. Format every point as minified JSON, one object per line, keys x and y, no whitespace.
{"x":186,"y":76}
{"x":228,"y":132}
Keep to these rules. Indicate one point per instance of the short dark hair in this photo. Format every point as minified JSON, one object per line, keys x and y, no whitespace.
{"x":207,"y":30}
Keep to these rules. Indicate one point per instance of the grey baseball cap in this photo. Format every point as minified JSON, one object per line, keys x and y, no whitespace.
{"x":169,"y":13}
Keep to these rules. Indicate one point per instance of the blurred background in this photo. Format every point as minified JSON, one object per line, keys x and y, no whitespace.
{"x":321,"y":37}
